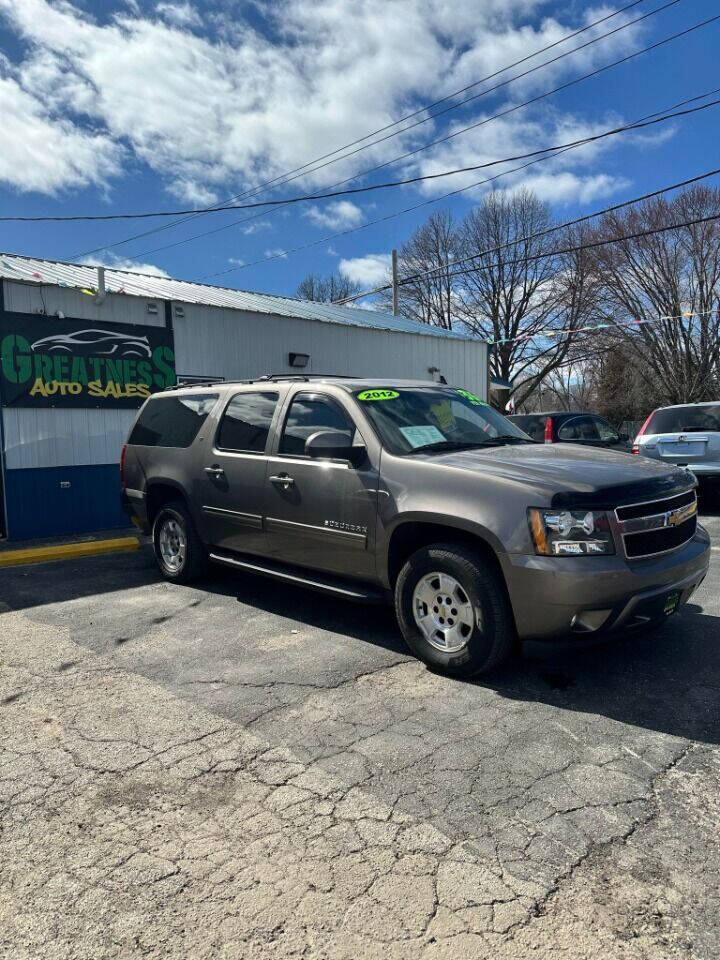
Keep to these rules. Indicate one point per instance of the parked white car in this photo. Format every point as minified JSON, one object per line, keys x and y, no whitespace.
{"x":687,"y":435}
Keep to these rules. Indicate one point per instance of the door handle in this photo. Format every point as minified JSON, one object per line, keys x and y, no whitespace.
{"x":214,"y":471}
{"x":283,"y":480}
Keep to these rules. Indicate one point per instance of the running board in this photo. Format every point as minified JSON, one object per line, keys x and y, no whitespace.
{"x":340,"y":588}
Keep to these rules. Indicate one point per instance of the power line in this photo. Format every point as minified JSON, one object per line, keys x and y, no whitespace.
{"x":416,"y":206}
{"x":608,"y":324}
{"x":537,"y":235}
{"x":378,"y":186}
{"x":284,"y":177}
{"x":593,"y":244}
{"x":404,"y":156}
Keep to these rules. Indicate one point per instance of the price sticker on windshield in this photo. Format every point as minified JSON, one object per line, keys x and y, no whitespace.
{"x":378,"y":395}
{"x":471,"y":398}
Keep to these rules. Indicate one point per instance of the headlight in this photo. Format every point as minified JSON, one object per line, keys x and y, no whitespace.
{"x":570,"y":533}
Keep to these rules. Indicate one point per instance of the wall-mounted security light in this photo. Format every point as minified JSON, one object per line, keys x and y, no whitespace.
{"x":179,"y":310}
{"x":298,"y":359}
{"x":152,"y":308}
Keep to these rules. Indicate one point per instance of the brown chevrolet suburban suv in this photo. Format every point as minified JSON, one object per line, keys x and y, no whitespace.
{"x":418,"y":493}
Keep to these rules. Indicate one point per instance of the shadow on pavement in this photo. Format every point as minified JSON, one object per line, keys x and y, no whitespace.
{"x":665,"y":680}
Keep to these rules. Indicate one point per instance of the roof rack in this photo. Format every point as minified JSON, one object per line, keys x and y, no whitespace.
{"x":266,"y":378}
{"x":188,"y":384}
{"x":304,"y":376}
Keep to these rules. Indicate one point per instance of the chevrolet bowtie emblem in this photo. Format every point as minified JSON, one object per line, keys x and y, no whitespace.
{"x":673,"y":518}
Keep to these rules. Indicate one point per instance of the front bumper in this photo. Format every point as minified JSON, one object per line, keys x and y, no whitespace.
{"x":553,"y":596}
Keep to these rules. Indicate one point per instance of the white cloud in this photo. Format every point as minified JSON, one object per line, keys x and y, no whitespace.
{"x":236,"y":262}
{"x":369,"y":271}
{"x":566,"y":187}
{"x":179,"y":14}
{"x":123,"y":263}
{"x":238,"y":107}
{"x":256,"y":227}
{"x":276,"y":253}
{"x":335,"y":215}
{"x":564,"y":176}
{"x":43,"y":153}
{"x":331,"y":251}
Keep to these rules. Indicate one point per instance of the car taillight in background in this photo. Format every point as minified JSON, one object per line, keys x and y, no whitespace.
{"x":636,"y":446}
{"x":122,"y":466}
{"x":549,"y":431}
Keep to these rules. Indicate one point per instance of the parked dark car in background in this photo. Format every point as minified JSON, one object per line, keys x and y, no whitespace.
{"x":568,"y":427}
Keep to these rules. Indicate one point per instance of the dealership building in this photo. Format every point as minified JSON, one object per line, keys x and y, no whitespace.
{"x":80,"y":348}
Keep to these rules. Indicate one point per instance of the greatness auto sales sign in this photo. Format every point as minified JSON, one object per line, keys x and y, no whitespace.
{"x":47,"y":362}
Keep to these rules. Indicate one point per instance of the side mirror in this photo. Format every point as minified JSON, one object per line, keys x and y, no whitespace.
{"x":333,"y":445}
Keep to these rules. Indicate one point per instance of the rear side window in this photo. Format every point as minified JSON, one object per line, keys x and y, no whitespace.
{"x":534,"y":427}
{"x":172,"y":421}
{"x":246,"y":422}
{"x":307,"y":416}
{"x":704,"y":416}
{"x":579,"y":428}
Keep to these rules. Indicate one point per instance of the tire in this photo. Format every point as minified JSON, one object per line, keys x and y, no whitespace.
{"x":483,"y":624}
{"x":192,"y":560}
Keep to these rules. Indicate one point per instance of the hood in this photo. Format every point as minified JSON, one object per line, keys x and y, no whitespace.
{"x":574,"y":475}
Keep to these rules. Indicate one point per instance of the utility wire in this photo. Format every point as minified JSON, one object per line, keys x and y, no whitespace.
{"x":404,"y":156}
{"x":541,"y":256}
{"x":416,"y":206}
{"x":277,"y":181}
{"x":378,"y":186}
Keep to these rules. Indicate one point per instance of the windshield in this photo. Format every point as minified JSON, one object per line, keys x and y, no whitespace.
{"x":435,"y":418}
{"x":701,"y":416}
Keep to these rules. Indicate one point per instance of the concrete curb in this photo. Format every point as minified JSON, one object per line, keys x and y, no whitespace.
{"x":64,"y":551}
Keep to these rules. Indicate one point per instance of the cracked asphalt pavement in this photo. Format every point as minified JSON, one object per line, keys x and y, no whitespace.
{"x":250,"y":771}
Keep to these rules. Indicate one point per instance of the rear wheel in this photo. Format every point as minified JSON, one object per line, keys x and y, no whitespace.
{"x":453,"y":610}
{"x":179,"y":551}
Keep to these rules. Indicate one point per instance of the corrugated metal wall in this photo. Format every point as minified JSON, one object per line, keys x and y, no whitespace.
{"x":214,"y":341}
{"x":116,"y":308}
{"x":61,"y":466}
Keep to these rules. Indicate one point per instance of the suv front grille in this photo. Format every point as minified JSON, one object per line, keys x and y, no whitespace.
{"x":659,"y":526}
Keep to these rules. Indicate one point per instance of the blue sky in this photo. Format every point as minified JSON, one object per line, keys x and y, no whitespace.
{"x":118,"y":106}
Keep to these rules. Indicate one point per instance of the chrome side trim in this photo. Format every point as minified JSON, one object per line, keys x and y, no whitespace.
{"x":252,"y":520}
{"x":289,"y":577}
{"x":325,"y":534}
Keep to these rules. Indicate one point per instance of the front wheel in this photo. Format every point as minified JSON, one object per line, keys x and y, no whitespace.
{"x":179,"y":551}
{"x":453,"y":610}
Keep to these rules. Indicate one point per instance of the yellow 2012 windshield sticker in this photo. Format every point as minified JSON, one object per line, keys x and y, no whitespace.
{"x":378,"y":395}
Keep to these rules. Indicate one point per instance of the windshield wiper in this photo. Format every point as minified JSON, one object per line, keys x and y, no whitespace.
{"x":509,"y":438}
{"x":442,"y":445}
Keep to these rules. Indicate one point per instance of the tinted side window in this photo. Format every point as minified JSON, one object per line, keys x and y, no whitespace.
{"x":534,"y":427}
{"x":308,"y":415}
{"x":172,"y":421}
{"x":246,"y":422}
{"x":605,"y":431}
{"x":579,"y":428}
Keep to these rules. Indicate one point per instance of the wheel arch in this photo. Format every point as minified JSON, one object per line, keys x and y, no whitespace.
{"x":158,"y":493}
{"x":415,"y":531}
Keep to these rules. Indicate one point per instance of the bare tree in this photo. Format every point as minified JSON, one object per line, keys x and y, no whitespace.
{"x":429,"y":298}
{"x":518,"y":294}
{"x":663,"y":290}
{"x":326,"y":289}
{"x":571,"y":387}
